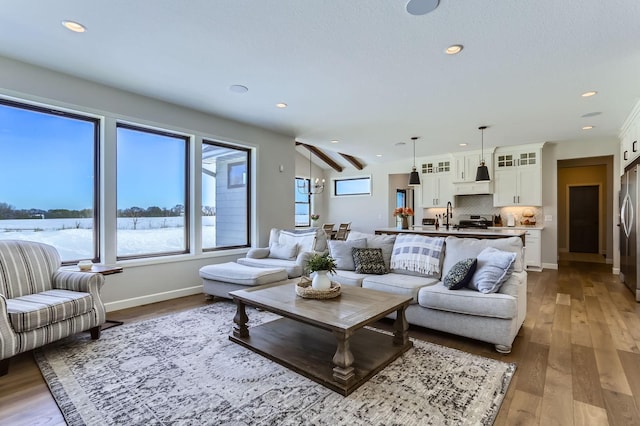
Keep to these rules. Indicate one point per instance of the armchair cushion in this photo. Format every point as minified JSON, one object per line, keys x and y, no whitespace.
{"x":41,"y":309}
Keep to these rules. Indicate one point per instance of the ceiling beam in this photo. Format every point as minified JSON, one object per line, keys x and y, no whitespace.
{"x":353,"y":160}
{"x":321,"y":155}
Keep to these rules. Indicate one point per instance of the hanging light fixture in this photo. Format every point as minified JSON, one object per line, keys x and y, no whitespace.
{"x":312,"y":189}
{"x":414,"y":178}
{"x":483,"y":171}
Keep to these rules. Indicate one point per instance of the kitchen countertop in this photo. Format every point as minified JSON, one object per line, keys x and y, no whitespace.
{"x":466,"y":232}
{"x":523,"y":227}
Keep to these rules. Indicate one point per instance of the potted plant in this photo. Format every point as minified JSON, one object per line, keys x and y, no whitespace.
{"x":403,"y":213}
{"x":321,"y":264}
{"x":314,"y":218}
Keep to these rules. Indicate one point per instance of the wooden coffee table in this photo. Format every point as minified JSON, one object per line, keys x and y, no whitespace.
{"x":324,"y":340}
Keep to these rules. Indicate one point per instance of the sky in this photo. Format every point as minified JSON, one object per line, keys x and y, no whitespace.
{"x":46,"y":162}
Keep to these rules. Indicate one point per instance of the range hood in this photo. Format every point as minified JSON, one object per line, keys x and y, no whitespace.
{"x":473,"y":188}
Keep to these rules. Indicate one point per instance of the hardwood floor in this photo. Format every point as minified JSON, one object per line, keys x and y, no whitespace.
{"x":578,"y":354}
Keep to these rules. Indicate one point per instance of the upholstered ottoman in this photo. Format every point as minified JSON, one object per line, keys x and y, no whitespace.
{"x":220,"y":279}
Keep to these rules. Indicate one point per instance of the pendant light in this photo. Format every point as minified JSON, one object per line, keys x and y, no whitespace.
{"x":414,"y":178}
{"x":483,"y":172}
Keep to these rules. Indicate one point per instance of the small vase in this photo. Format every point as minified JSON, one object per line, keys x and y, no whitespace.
{"x":405,"y":223}
{"x":321,"y":281}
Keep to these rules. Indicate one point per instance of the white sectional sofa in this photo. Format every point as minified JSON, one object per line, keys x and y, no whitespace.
{"x":494,"y":317}
{"x":289,"y":249}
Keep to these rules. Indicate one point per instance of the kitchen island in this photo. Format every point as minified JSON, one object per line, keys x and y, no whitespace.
{"x":462,"y":233}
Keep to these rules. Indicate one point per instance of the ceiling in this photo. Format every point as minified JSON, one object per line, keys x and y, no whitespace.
{"x":363,"y":72}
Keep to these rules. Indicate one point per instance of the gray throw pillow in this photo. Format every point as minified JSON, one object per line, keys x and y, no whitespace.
{"x":460,"y":274}
{"x":494,"y":268}
{"x":369,"y":261}
{"x":341,"y":252}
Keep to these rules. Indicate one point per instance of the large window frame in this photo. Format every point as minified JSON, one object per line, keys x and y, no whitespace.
{"x":234,"y":180}
{"x":96,"y":122}
{"x":341,"y":186}
{"x":187,"y":192}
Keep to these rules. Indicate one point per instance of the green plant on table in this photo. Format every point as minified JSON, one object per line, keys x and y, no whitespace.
{"x":321,"y":262}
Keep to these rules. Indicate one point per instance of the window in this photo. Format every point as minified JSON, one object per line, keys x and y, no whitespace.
{"x":152,"y":188}
{"x":225,"y":196}
{"x":352,"y":186}
{"x":49,"y":174}
{"x":302,"y":203}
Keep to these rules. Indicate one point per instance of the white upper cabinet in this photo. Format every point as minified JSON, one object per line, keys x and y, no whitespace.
{"x":629,"y":144}
{"x":518,"y":176}
{"x":437,"y":181}
{"x":466,"y":164}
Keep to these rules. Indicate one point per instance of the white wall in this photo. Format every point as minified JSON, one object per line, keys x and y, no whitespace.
{"x":150,"y":280}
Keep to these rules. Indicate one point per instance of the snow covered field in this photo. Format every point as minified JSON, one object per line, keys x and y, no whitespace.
{"x":74,"y":237}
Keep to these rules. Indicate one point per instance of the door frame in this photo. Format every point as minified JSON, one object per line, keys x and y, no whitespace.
{"x":602,"y":245}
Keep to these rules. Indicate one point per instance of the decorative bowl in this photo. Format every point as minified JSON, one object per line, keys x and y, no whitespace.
{"x":85,"y":265}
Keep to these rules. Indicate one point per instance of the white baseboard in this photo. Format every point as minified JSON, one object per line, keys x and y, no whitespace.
{"x":549,"y":265}
{"x":152,"y":298}
{"x":615,"y":271}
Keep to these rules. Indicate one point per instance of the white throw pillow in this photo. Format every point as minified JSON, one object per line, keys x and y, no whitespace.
{"x":341,"y":252}
{"x":283,"y":251}
{"x":494,"y":268}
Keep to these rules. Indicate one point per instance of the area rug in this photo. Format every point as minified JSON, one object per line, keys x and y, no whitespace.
{"x":181,"y":369}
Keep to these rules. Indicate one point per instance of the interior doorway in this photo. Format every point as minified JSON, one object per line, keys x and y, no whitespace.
{"x":585,"y":209}
{"x":584,"y":219}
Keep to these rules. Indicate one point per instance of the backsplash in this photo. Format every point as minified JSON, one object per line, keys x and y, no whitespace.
{"x":466,"y":205}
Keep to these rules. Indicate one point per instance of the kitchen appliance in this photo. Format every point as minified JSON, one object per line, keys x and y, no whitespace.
{"x":475,"y":221}
{"x":629,"y":242}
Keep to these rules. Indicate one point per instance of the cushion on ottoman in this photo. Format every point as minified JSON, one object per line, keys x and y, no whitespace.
{"x":235,"y":273}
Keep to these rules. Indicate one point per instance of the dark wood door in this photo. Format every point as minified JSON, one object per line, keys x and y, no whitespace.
{"x":583,"y":219}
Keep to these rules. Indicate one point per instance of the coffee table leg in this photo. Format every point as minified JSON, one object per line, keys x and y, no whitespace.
{"x":240,"y":328}
{"x":343,"y":359}
{"x":401,"y":328}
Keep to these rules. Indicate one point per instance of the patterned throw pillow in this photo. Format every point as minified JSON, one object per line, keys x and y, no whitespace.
{"x":369,"y":261}
{"x":460,"y":274}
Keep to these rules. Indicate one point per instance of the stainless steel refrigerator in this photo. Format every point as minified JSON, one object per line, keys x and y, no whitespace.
{"x":629,"y":220}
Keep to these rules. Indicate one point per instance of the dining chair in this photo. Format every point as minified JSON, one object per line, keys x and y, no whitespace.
{"x":343,"y":231}
{"x":328,"y":229}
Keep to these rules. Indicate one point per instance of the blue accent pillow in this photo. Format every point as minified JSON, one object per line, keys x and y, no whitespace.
{"x":460,"y":274}
{"x":494,"y":268}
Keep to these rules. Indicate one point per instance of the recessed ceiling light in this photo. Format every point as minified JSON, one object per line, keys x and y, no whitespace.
{"x":378,"y":155}
{"x":463,"y":144}
{"x":401,"y":143}
{"x":238,"y":88}
{"x":421,"y":7}
{"x":453,"y":49}
{"x":334,"y":141}
{"x":281,"y":105}
{"x":73,"y":26}
{"x":587,"y":127}
{"x":588,"y":94}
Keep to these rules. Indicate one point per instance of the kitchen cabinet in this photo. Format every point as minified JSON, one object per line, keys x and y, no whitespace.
{"x":465,"y":164}
{"x":629,"y":147}
{"x":533,"y":249}
{"x":437,"y":182}
{"x":518,"y":176}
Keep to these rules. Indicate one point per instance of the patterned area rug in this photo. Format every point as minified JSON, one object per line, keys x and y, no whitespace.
{"x":182,"y":369}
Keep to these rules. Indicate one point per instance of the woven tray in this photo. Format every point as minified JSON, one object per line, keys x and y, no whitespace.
{"x":304,"y":289}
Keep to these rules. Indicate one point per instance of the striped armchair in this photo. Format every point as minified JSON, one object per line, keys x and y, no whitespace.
{"x":39,"y":303}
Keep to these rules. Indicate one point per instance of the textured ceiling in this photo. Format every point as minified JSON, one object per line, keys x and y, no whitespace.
{"x":364,"y":72}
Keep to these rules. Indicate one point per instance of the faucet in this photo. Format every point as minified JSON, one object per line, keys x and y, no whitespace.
{"x":449,"y":214}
